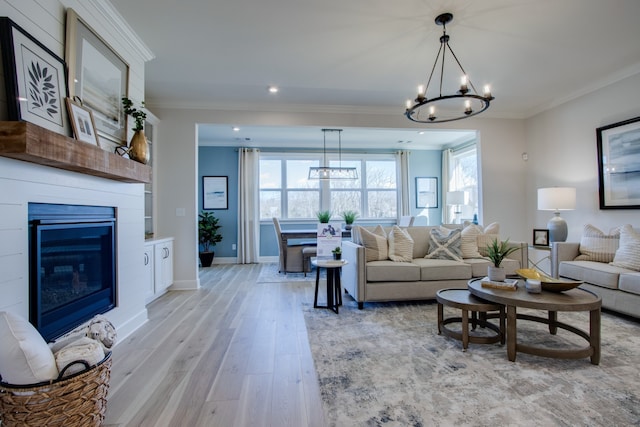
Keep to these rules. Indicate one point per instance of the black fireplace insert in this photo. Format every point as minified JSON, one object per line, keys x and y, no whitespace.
{"x":72,"y":265}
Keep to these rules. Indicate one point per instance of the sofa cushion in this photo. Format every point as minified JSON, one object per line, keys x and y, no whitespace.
{"x":375,"y":243}
{"x":596,"y":273}
{"x":479,"y":266}
{"x":25,"y":358}
{"x":445,"y":246}
{"x":630,"y":282}
{"x":597,"y":246}
{"x":391,"y":271}
{"x":628,"y":253}
{"x":400,"y":245}
{"x":442,"y":269}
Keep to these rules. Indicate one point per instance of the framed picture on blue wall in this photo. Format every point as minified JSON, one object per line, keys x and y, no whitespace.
{"x":215,"y":192}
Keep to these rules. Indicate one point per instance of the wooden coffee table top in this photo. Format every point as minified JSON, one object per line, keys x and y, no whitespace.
{"x":572,"y":300}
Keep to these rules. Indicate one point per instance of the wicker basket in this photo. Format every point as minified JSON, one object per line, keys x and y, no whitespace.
{"x":78,"y":400}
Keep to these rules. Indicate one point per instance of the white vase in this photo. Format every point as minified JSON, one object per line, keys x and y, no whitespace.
{"x":496,"y":274}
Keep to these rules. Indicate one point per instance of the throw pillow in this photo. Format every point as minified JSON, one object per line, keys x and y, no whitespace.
{"x":445,"y":246}
{"x":400,"y":245}
{"x":597,"y":246}
{"x":490,"y":233}
{"x":375,"y":243}
{"x":469,"y":243}
{"x":628,"y":254}
{"x":84,"y":348}
{"x":25,"y":358}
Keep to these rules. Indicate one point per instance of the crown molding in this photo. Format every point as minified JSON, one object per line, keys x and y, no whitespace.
{"x":117,"y":21}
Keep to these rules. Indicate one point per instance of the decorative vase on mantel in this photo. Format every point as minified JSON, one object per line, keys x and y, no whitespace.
{"x":139,"y":148}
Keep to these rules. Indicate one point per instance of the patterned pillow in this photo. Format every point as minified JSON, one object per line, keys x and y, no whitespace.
{"x":400,"y":245}
{"x":597,"y":246}
{"x":445,"y":246}
{"x":375,"y":243}
{"x":628,"y":254}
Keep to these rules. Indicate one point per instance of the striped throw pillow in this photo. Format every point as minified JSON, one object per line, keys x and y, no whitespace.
{"x":445,"y":246}
{"x":400,"y":245}
{"x":628,"y":254}
{"x":375,"y":243}
{"x":597,"y":246}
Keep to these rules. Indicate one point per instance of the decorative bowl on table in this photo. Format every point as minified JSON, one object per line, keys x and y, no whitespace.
{"x":548,"y":283}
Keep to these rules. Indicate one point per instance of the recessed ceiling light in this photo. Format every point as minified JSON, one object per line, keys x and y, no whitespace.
{"x":236,"y":128}
{"x":400,"y":141}
{"x":421,"y":132}
{"x":273,"y":89}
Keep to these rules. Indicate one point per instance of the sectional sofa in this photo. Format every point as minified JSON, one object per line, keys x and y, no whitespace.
{"x":367,"y":279}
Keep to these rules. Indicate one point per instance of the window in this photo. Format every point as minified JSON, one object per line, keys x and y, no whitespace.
{"x":287,"y":193}
{"x":463,"y":176}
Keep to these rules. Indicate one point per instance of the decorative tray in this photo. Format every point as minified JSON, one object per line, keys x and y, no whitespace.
{"x":548,"y":283}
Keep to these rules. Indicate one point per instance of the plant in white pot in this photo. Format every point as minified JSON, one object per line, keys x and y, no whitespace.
{"x":208,"y":237}
{"x":496,"y":252}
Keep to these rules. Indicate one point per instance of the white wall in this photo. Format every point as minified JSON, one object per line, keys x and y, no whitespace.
{"x":561,"y":144}
{"x":22,"y":182}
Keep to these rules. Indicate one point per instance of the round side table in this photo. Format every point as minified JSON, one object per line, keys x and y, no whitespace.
{"x":334,"y":293}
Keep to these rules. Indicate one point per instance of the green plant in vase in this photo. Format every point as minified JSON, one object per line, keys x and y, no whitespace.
{"x":349,"y":217}
{"x":323,"y":216}
{"x":337,"y":253}
{"x":497,"y":251}
{"x":208,"y":236}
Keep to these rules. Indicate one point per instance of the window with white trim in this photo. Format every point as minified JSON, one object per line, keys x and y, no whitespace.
{"x":463,"y":164}
{"x":287,"y":193}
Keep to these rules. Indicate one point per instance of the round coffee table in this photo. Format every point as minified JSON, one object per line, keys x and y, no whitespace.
{"x":553,"y":302}
{"x":462,"y":299}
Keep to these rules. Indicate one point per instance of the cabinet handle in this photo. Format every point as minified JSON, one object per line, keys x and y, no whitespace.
{"x":146,"y":259}
{"x":166,"y":252}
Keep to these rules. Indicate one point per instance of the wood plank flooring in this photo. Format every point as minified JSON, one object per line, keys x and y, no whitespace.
{"x":233,"y":353}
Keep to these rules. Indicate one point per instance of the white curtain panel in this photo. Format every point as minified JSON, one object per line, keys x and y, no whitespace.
{"x":446,"y":154}
{"x":402,"y":158}
{"x":248,"y":205}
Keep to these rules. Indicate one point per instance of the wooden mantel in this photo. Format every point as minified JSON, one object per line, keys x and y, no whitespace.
{"x":32,"y":143}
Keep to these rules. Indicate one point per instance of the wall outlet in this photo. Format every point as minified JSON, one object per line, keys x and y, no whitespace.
{"x":233,"y":246}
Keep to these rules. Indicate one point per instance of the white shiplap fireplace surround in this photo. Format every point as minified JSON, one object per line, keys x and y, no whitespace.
{"x":23,"y":182}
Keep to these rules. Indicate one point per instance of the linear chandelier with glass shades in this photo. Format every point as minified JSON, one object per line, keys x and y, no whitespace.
{"x":325,"y":172}
{"x":466,"y":102}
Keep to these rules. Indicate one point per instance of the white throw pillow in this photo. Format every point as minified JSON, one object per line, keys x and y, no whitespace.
{"x":597,"y":246}
{"x":375,"y":244}
{"x":489,"y":233}
{"x":469,"y":244}
{"x":400,"y":245}
{"x":628,"y":254}
{"x":85,"y":349}
{"x":25,"y":358}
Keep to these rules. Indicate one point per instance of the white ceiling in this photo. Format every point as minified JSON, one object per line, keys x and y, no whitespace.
{"x":336,"y":55}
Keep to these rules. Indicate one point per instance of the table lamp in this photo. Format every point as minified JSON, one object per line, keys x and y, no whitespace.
{"x":455,"y":198}
{"x":557,"y":199}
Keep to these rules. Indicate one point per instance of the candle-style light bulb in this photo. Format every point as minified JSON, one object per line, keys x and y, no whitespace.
{"x":487,"y":91}
{"x":467,"y":107}
{"x":408,"y":104}
{"x":463,"y":84}
{"x":432,"y":113}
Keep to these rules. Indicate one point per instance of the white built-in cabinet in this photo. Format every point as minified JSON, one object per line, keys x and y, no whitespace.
{"x":158,"y":264}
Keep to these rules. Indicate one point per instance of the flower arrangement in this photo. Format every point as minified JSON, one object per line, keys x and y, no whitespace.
{"x":138,"y":114}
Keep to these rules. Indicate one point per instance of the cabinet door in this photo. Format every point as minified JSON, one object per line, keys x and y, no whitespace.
{"x":149,"y":271}
{"x":163,"y":265}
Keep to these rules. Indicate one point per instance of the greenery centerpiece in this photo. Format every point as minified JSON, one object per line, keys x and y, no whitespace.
{"x":349,"y":217}
{"x":496,"y":252}
{"x":323,"y":216}
{"x":138,"y":147}
{"x":208,"y":236}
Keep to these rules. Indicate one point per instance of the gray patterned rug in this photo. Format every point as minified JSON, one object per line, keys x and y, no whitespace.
{"x":386,"y":366}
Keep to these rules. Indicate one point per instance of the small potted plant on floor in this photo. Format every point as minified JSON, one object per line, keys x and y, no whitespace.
{"x":208,"y":237}
{"x":323,"y":216}
{"x":497,"y":251}
{"x":337,"y":253}
{"x":349,"y":217}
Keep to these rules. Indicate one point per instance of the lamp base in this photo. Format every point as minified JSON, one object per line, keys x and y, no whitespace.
{"x":558,"y":230}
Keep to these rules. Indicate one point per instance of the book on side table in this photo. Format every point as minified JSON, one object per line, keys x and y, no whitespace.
{"x":507,"y":285}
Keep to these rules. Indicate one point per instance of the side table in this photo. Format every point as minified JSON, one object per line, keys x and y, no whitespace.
{"x":464,"y":300}
{"x":334,"y":291}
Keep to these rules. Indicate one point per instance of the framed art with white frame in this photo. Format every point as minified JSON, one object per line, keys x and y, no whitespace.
{"x":84,"y":127}
{"x":98,"y":76}
{"x":35,"y":79}
{"x":427,"y":192}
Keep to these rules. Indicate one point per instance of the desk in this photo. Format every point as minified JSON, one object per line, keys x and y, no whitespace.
{"x":286,"y":235}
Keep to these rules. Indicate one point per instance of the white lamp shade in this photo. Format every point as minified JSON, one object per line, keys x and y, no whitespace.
{"x":455,"y":197}
{"x":556,"y":199}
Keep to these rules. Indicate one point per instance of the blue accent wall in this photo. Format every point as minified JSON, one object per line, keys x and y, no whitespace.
{"x":223,"y":161}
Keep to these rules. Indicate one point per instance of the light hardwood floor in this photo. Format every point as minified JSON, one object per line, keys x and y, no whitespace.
{"x":233,"y":353}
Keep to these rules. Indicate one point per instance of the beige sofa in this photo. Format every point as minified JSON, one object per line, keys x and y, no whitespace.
{"x":388,"y":280}
{"x":618,"y":287}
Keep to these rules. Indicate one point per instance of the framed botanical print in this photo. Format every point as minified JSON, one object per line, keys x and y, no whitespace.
{"x":35,"y":79}
{"x":98,"y":76}
{"x":619,"y":164}
{"x":84,"y":127}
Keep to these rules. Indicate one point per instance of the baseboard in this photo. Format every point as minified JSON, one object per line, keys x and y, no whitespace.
{"x":185,"y":285}
{"x":131,"y":325}
{"x":225,"y":260}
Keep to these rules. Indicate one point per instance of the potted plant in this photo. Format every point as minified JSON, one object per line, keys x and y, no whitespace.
{"x":496,"y":252}
{"x":323,"y":216}
{"x":138,"y":147}
{"x":208,"y":236}
{"x":337,"y":253}
{"x":349,"y":217}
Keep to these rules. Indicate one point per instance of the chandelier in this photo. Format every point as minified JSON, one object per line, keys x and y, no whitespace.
{"x":466,"y":102}
{"x":325,"y":172}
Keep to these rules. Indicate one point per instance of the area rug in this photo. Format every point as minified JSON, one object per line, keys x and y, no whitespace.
{"x":270,"y":274}
{"x":387,"y":366}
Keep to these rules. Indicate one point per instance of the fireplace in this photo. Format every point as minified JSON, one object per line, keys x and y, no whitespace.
{"x":72,"y":264}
